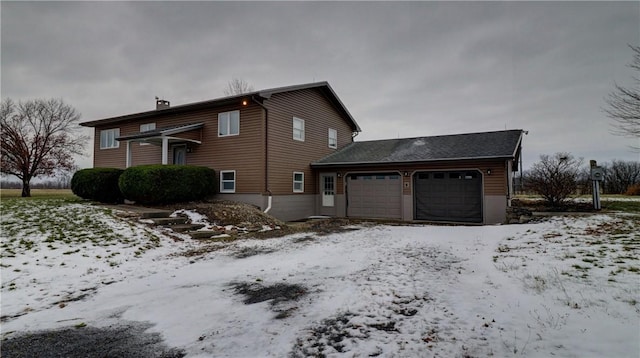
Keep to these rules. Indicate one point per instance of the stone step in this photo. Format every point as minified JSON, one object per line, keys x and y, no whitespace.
{"x":204,"y":234}
{"x":155,"y":214}
{"x":170,"y":221}
{"x":186,"y":227}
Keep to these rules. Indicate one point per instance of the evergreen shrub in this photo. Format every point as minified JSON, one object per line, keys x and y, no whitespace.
{"x":99,"y":184}
{"x":165,"y":184}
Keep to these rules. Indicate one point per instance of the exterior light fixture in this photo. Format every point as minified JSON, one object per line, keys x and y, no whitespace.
{"x":406,"y":174}
{"x":488,"y":171}
{"x":244,"y":102}
{"x":339,"y":175}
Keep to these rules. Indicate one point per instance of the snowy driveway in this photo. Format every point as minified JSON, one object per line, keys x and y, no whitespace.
{"x":405,"y":291}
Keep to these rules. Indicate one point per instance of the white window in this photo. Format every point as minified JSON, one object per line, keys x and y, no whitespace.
{"x":145,"y":128}
{"x":108,"y":138}
{"x":228,"y":123}
{"x":227,"y":181}
{"x":298,"y":182}
{"x":298,"y":129}
{"x":333,"y":138}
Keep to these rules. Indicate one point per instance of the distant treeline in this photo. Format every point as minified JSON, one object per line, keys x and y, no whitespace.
{"x":56,"y":183}
{"x":620,"y":177}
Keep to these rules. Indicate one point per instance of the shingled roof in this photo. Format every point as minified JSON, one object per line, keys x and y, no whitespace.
{"x":265,"y":94}
{"x":486,"y":145}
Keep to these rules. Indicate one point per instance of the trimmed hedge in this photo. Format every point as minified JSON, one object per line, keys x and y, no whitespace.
{"x":99,"y":184}
{"x":165,"y":184}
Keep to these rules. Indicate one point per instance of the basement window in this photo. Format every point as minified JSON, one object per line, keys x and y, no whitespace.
{"x":298,"y":182}
{"x":227,"y":181}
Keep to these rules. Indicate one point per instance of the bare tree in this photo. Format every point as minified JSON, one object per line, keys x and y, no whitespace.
{"x":554,"y":178}
{"x":237,"y":86}
{"x":623,"y":104}
{"x":620,"y":175}
{"x":38,"y":139}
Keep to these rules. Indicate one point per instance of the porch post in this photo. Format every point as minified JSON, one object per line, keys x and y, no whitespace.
{"x":128,"y":160}
{"x":165,"y":150}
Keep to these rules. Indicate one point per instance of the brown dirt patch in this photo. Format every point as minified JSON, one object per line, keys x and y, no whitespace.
{"x":226,"y":212}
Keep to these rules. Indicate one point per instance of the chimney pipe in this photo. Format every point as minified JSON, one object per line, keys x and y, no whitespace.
{"x":162,"y":103}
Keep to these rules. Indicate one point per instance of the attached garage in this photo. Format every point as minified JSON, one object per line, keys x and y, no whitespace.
{"x":448,"y":196}
{"x":374,"y":195}
{"x":463,"y":178}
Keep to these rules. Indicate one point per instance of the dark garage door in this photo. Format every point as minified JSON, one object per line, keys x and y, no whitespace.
{"x":448,"y":196}
{"x":374,"y":195}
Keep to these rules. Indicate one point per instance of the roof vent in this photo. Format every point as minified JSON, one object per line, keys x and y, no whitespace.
{"x":162,"y":103}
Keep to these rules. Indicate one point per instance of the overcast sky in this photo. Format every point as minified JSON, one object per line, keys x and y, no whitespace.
{"x":402,"y":69}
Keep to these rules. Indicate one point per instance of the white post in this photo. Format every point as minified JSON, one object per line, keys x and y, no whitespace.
{"x":596,"y":195}
{"x":128,"y":161}
{"x":165,"y":150}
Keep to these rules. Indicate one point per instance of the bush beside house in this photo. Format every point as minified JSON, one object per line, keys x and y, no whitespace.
{"x":164,"y":184}
{"x":99,"y":184}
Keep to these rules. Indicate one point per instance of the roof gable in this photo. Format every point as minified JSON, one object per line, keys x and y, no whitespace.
{"x":323,"y":87}
{"x":485,"y":145}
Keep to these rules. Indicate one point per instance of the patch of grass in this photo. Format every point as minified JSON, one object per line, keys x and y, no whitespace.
{"x":626,"y":206}
{"x":635,"y":269}
{"x":38,"y":194}
{"x":580,"y":268}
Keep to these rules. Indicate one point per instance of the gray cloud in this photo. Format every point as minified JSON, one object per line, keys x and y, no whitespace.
{"x":403,"y":69}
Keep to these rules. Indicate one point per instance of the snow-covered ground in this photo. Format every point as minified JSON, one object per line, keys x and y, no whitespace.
{"x":566,"y":287}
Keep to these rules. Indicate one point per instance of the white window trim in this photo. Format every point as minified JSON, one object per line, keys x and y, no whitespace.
{"x":222,"y":189}
{"x":228,"y":114}
{"x":146,"y":127}
{"x":334,"y":137}
{"x":116,"y":133}
{"x":293,"y":123}
{"x":300,"y":182}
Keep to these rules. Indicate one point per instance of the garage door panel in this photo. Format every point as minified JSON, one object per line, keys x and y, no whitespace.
{"x":448,"y":196}
{"x":374,"y":196}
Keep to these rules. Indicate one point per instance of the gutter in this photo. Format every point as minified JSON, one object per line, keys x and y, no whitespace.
{"x":266,"y":153}
{"x":392,"y":163}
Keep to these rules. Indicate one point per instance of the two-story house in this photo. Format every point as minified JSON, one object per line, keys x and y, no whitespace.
{"x":260,"y":143}
{"x":290,"y":151}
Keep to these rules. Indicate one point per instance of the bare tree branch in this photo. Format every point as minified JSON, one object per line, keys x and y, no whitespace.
{"x":623,"y":104}
{"x":38,"y":139}
{"x":237,"y":86}
{"x":554,"y":178}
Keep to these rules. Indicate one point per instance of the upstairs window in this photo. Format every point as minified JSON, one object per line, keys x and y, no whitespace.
{"x":298,"y":129}
{"x":333,"y":138}
{"x":298,"y":182}
{"x":108,"y":138}
{"x":145,"y":128}
{"x":228,"y":123}
{"x":227,"y":181}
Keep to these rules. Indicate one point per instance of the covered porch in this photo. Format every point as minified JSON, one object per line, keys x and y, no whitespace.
{"x":164,"y":138}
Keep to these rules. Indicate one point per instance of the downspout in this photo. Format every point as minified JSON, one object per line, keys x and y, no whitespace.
{"x":266,"y":153}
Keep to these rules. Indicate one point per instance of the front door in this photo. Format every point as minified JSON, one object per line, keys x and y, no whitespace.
{"x":180,"y":154}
